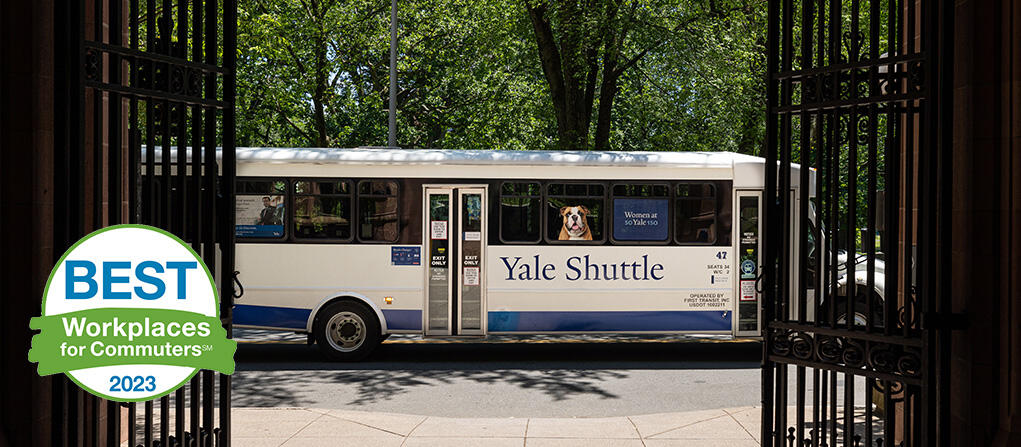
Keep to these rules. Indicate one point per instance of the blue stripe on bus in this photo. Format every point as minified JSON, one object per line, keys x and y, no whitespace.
{"x":403,"y":320}
{"x":544,"y":321}
{"x":505,"y":321}
{"x":269,"y":316}
{"x":292,"y":318}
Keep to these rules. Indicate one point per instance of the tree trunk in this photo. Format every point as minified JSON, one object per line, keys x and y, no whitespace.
{"x":566,"y":67}
{"x":318,"y":96}
{"x":606,"y":94}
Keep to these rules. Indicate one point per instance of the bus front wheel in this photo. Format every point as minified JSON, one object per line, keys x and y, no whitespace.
{"x":346,"y":331}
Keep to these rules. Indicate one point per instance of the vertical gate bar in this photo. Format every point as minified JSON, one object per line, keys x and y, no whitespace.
{"x":889,"y":418}
{"x":97,"y":151}
{"x":786,"y":130}
{"x":944,"y":102}
{"x":873,"y":135}
{"x":115,"y":107}
{"x":132,"y":425}
{"x":164,"y":420}
{"x":769,"y":366}
{"x":195,"y":199}
{"x":93,"y":419}
{"x":852,"y":174}
{"x":113,"y":423}
{"x":833,"y":212}
{"x":210,"y":37}
{"x":134,"y":143}
{"x":816,"y":402}
{"x":848,"y":409}
{"x":909,"y":145}
{"x":229,"y":173}
{"x":868,"y":403}
{"x":97,"y":122}
{"x":77,"y":411}
{"x":833,"y":407}
{"x":150,"y":162}
{"x":207,"y":408}
{"x":199,"y":208}
{"x":198,"y":153}
{"x":799,"y":402}
{"x":854,"y":52}
{"x":784,"y":218}
{"x":147,"y":435}
{"x":77,"y":226}
{"x":166,"y":165}
{"x":182,"y":211}
{"x":179,"y":413}
{"x":926,"y":244}
{"x":805,"y":158}
{"x":823,"y":405}
{"x":780,"y":404}
{"x":821,"y":172}
{"x":909,"y":407}
{"x":150,"y":115}
{"x":834,"y":148}
{"x":891,"y":148}
{"x":194,"y":416}
{"x":166,"y":29}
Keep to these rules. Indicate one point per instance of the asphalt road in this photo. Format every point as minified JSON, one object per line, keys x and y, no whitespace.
{"x":547,"y":377}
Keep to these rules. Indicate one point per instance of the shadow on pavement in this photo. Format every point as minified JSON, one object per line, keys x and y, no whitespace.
{"x":291,"y":374}
{"x":278,"y":388}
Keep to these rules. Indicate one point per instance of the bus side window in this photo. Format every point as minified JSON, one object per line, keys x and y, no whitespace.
{"x":520,"y":212}
{"x":641,"y":213}
{"x":322,"y":210}
{"x":377,"y":211}
{"x":260,"y":209}
{"x":575,"y":212}
{"x":695,"y":213}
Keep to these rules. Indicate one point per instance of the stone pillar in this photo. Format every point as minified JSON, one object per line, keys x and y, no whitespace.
{"x":26,"y":212}
{"x":986,"y":220}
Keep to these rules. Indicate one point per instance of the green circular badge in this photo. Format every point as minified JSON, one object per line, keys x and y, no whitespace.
{"x":130,"y":313}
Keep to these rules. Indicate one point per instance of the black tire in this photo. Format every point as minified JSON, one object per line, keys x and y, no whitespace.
{"x":346,"y":331}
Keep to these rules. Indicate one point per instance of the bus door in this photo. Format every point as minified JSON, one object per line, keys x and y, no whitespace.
{"x":455,"y":235}
{"x":749,"y":259}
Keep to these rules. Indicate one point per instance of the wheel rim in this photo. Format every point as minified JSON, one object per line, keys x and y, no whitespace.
{"x":859,"y":319}
{"x":345,"y":331}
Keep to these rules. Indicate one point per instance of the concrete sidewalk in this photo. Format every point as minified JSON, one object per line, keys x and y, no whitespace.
{"x":258,"y":427}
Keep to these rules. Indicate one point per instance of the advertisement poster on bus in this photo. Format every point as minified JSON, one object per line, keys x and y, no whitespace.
{"x":259,"y":216}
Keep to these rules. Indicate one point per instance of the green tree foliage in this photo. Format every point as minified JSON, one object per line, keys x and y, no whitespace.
{"x":635,"y":75}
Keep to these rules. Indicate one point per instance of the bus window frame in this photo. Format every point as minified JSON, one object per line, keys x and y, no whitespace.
{"x":293,"y":196}
{"x":499,"y":210}
{"x":546,"y":209}
{"x":669,"y":240}
{"x":357,"y":211}
{"x":716,"y":212}
{"x":286,"y":238}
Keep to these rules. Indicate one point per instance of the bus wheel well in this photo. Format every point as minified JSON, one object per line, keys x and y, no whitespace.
{"x":346,"y":299}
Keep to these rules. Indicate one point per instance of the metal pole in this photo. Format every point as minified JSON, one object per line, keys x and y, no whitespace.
{"x":392,"y":140}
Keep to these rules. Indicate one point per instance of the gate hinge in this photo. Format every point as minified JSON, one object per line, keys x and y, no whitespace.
{"x":946,"y":320}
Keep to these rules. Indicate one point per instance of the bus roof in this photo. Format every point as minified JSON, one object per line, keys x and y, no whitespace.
{"x":492,"y":157}
{"x":477,"y":157}
{"x":746,"y":170}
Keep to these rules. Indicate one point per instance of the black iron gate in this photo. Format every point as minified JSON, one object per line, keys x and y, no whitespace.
{"x":134,"y":77}
{"x":858,"y":90}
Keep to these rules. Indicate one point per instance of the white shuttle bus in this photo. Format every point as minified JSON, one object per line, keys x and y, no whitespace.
{"x":352,"y":245}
